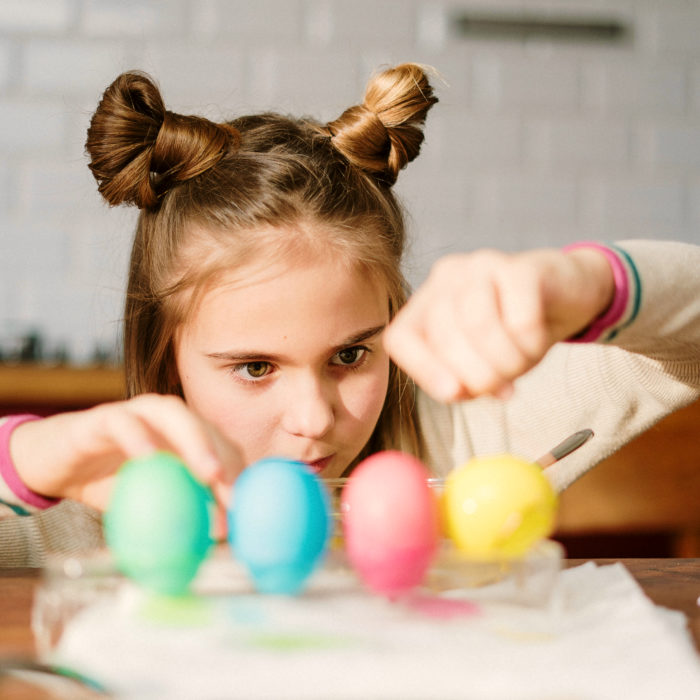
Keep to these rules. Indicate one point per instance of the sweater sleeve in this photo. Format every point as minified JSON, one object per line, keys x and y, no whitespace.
{"x":644,"y":368}
{"x":69,"y":528}
{"x":51,"y":527}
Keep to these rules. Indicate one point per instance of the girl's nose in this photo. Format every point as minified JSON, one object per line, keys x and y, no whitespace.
{"x":309,"y":410}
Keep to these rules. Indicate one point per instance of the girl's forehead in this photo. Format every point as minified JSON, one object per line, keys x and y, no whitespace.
{"x":247,"y":252}
{"x":258,"y":271}
{"x":271,"y":271}
{"x":300,"y":278}
{"x":290,"y":295}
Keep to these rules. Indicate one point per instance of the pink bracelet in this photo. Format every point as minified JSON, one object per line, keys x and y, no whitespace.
{"x":7,"y":468}
{"x":617,"y":307}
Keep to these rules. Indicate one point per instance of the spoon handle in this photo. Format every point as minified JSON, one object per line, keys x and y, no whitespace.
{"x":567,"y":446}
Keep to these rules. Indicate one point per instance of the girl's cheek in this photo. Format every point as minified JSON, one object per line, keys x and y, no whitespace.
{"x":369,"y":396}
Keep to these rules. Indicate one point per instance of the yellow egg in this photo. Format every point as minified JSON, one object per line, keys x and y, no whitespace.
{"x":498,"y":506}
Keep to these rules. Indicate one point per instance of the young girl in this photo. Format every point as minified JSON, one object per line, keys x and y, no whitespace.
{"x":266,"y":314}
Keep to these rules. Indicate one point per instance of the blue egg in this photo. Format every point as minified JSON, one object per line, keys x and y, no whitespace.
{"x":279,"y":523}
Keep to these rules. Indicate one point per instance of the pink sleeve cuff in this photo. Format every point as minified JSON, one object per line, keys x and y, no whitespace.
{"x":612,"y":316}
{"x":9,"y":474}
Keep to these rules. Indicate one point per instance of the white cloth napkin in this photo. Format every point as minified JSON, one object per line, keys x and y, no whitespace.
{"x":599,"y":638}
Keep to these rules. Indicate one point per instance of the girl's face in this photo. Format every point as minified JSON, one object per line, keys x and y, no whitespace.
{"x":289,"y":362}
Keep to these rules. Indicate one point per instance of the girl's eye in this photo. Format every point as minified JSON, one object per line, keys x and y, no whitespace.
{"x":349,"y":356}
{"x":253,"y":370}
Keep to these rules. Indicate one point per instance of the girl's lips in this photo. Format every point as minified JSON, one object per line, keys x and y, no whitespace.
{"x":318,"y":465}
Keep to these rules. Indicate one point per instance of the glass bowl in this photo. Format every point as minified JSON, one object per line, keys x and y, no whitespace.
{"x":68,"y":584}
{"x":528,"y":580}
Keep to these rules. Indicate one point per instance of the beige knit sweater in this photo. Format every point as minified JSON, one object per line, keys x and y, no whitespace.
{"x":618,"y":389}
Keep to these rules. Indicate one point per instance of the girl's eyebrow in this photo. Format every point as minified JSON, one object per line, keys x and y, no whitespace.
{"x":360,"y":337}
{"x":253,"y":356}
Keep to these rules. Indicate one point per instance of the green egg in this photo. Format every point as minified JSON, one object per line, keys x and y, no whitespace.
{"x":158,"y":523}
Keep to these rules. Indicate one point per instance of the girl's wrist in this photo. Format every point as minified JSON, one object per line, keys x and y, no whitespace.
{"x":23,"y":494}
{"x":605,"y":325}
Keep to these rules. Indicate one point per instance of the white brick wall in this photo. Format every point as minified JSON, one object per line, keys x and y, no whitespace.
{"x":28,"y":17}
{"x":535,"y":142}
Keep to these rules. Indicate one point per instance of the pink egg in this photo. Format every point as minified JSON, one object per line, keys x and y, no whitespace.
{"x":390,"y":522}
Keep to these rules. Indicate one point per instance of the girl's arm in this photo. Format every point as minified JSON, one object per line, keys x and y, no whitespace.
{"x":643,"y":365}
{"x":75,"y":455}
{"x":483,"y":319}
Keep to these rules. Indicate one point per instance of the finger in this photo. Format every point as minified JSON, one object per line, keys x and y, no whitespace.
{"x":222,"y":492}
{"x":454,"y":349}
{"x":408,"y":349}
{"x":480,"y":349}
{"x":456,"y":315}
{"x":465,"y":338}
{"x":123,"y":430}
{"x":183,"y":431}
{"x":220,"y":524}
{"x":172,"y":426}
{"x":97,"y":493}
{"x":229,"y":454}
{"x":523,"y":313}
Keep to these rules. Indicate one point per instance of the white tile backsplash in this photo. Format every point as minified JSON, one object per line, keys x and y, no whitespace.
{"x":32,"y":17}
{"x":31,"y":126}
{"x":133,"y":18}
{"x":574,"y":143}
{"x":536,"y":141}
{"x":67,"y":66}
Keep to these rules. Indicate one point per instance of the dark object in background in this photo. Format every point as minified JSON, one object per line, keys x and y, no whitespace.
{"x":618,"y":545}
{"x":30,"y":348}
{"x":20,"y":344}
{"x":24,"y":346}
{"x":523,"y":26}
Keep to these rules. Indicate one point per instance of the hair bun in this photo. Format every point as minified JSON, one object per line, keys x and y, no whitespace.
{"x":385,"y":132}
{"x":138,"y":149}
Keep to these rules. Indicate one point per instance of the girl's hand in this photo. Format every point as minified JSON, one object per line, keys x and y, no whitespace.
{"x":482,"y":319}
{"x":75,"y":455}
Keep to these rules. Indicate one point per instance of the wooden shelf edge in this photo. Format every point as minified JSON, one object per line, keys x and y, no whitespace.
{"x":59,"y":386}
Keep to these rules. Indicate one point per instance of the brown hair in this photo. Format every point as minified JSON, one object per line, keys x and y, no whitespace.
{"x":211,"y":194}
